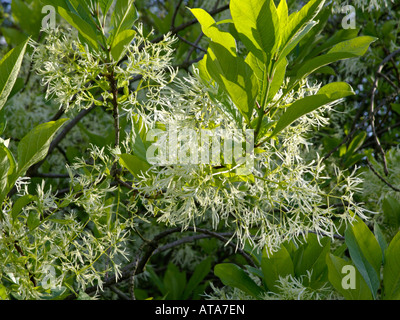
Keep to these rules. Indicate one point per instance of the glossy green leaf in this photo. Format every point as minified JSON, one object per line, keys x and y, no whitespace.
{"x":20,"y":204}
{"x":312,"y":256}
{"x":257,"y":23}
{"x":105,"y":5}
{"x":365,"y":252}
{"x":338,"y":37}
{"x":278,"y":264}
{"x":9,"y":68}
{"x":33,"y":220}
{"x":335,"y":276}
{"x":135,"y":165}
{"x":283,"y":13}
{"x":123,"y":17}
{"x":356,"y":47}
{"x":298,"y":20}
{"x":231,"y":275}
{"x":120,"y":43}
{"x":325,"y":95}
{"x":211,"y":30}
{"x":356,"y":143}
{"x":344,"y":50}
{"x":391,"y":270}
{"x":296,"y":40}
{"x":277,"y":78}
{"x":231,"y":72}
{"x":35,"y":145}
{"x":84,"y":28}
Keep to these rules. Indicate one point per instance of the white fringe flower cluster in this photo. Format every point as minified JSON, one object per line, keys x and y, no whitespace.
{"x":282,"y":200}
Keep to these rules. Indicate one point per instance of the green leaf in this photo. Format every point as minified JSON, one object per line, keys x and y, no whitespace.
{"x":396,"y":107}
{"x":120,"y":43}
{"x":123,"y":17}
{"x":325,"y":95}
{"x":105,"y":5}
{"x":23,"y":9}
{"x":33,"y":220}
{"x":35,"y":145}
{"x":3,"y":292}
{"x":381,"y":239}
{"x":365,"y":252}
{"x":7,"y":167}
{"x":257,"y":23}
{"x":174,"y":282}
{"x":344,"y":50}
{"x":9,"y":68}
{"x":338,"y":37}
{"x":312,"y":256}
{"x":12,"y":36}
{"x":235,"y":78}
{"x":20,"y":204}
{"x":156,"y":280}
{"x":356,"y":47}
{"x":299,"y":19}
{"x":18,"y":85}
{"x":296,"y":39}
{"x":326,"y":70}
{"x":278,"y":264}
{"x":135,"y":165}
{"x":231,"y":72}
{"x":283,"y":13}
{"x":356,"y":143}
{"x":391,"y":211}
{"x":335,"y":276}
{"x":231,"y":275}
{"x":210,"y":29}
{"x":391,"y":270}
{"x":200,"y":272}
{"x":277,"y":78}
{"x":84,"y":28}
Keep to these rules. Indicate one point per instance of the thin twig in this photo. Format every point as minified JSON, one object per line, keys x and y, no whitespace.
{"x":194,"y":45}
{"x":356,"y":128}
{"x":121,"y":294}
{"x":372,"y":106}
{"x":175,"y":14}
{"x":380,"y":177}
